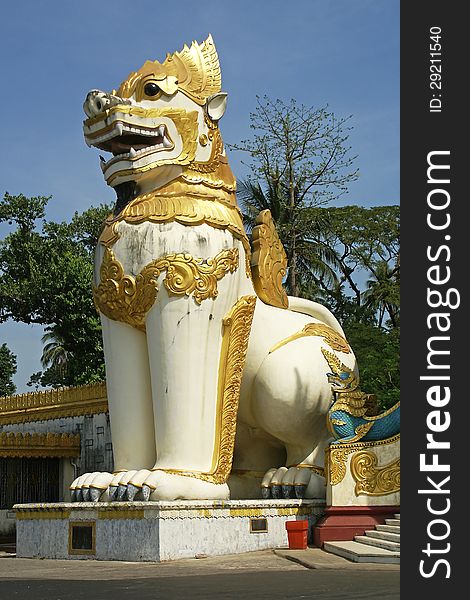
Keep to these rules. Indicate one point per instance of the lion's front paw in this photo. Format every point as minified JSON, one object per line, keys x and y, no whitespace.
{"x":295,"y":482}
{"x":160,"y":485}
{"x":144,"y":485}
{"x":90,"y":487}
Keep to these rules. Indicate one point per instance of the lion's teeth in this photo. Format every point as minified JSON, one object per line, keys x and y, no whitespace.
{"x":161,"y":130}
{"x":119,"y":128}
{"x":132,"y":153}
{"x":166,"y":142}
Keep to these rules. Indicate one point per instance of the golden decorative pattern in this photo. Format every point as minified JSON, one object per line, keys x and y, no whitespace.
{"x":188,"y":206}
{"x":378,"y":416}
{"x":337,"y":422}
{"x":195,"y":71}
{"x":235,"y":335}
{"x":372,"y":480}
{"x":337,"y":464}
{"x":184,"y":210}
{"x":215,"y":158}
{"x":287,"y":512}
{"x":331,"y":337}
{"x":54,"y":404}
{"x":268,"y":262}
{"x":29,"y":445}
{"x":361,"y":431}
{"x":337,"y":455}
{"x":123,"y":297}
{"x":261,"y":512}
{"x":128,"y":299}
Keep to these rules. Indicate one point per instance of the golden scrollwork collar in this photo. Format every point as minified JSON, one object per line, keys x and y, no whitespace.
{"x":128,"y":299}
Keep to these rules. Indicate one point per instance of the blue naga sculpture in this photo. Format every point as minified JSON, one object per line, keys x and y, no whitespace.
{"x":352,"y":417}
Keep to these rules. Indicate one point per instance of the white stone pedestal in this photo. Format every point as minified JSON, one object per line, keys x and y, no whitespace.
{"x":364,"y":473}
{"x":363,"y":488}
{"x":157,"y":531}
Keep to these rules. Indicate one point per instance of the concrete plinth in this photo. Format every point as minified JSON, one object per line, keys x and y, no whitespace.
{"x":157,"y":531}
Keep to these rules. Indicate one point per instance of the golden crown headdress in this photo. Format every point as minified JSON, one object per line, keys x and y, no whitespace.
{"x":194,"y":70}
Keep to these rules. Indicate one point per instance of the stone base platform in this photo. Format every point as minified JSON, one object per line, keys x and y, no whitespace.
{"x":157,"y":531}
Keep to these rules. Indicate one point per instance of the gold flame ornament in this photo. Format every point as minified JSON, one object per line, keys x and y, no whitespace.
{"x":195,"y":71}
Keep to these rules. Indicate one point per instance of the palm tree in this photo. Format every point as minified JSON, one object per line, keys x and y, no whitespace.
{"x":311,"y":262}
{"x":54,"y":354}
{"x":383,"y":293}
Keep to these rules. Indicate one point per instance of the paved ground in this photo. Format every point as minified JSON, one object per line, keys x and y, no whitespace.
{"x":272,"y":575}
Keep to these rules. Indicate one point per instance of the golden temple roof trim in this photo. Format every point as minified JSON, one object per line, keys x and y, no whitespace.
{"x":54,"y":404}
{"x":29,"y":445}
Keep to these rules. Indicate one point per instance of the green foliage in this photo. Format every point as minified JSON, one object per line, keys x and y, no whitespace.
{"x":377,"y":352}
{"x":46,"y":272}
{"x":314,"y":260}
{"x":7,"y":370}
{"x":366,"y":241}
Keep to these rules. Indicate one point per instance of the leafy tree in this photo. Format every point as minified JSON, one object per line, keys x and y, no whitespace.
{"x":56,"y":358}
{"x":377,"y":352}
{"x":347,"y":257}
{"x":315,"y":261}
{"x":300,"y":155}
{"x":7,"y":370}
{"x":46,"y":271}
{"x":383,"y":294}
{"x":366,"y":242}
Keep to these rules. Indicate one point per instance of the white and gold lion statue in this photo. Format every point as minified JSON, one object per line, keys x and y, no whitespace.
{"x":217,"y":381}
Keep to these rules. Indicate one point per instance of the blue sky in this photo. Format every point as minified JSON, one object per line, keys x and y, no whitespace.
{"x":344,"y":53}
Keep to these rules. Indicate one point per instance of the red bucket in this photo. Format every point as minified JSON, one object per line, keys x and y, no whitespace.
{"x":297,"y":534}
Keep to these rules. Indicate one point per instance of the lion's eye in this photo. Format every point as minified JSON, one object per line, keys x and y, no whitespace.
{"x":151,"y":89}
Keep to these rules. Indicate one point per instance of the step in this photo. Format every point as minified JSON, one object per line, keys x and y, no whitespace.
{"x":362,"y":553}
{"x":378,"y":542}
{"x":388,"y":528}
{"x":384,"y":535}
{"x":394,"y":522}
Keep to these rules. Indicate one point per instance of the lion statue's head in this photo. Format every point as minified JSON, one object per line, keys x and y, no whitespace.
{"x":162,"y":119}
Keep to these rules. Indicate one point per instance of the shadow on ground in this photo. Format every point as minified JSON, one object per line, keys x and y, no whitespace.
{"x":271,"y":585}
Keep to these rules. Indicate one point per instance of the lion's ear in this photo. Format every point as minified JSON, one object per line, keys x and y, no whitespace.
{"x":216,"y":105}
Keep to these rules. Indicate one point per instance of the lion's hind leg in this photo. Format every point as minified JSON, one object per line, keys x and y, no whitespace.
{"x":290,"y":400}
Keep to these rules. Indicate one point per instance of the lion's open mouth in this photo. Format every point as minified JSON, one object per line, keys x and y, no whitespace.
{"x":140,"y":140}
{"x":129,"y":142}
